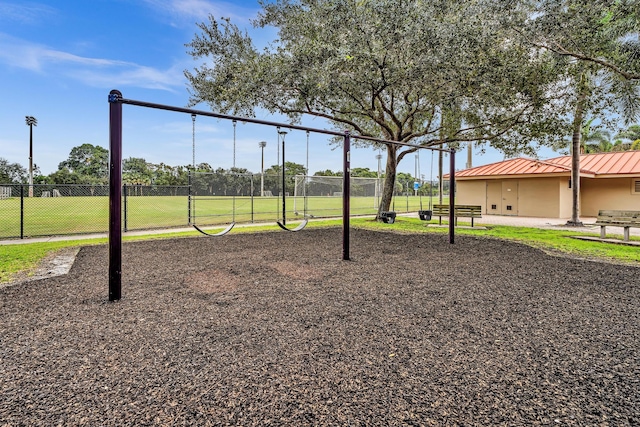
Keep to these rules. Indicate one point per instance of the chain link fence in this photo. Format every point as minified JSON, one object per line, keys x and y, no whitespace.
{"x":209,"y":199}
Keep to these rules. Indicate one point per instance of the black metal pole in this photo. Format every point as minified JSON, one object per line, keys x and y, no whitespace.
{"x":252,"y":189}
{"x":124,"y":201}
{"x":346,"y":195}
{"x":408,"y":189}
{"x":189,"y":200}
{"x":31,"y":160}
{"x":284,"y":202}
{"x":21,"y":211}
{"x":115,"y":195}
{"x":452,"y":195}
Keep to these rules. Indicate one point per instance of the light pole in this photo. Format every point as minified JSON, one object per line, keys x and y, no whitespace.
{"x":31,"y":122}
{"x":262,"y":144}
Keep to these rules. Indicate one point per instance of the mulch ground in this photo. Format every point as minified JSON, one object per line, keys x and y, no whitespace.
{"x":274,"y":329}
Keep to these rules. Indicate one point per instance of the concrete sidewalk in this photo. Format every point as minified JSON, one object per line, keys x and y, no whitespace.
{"x":553,"y":223}
{"x":515,"y":221}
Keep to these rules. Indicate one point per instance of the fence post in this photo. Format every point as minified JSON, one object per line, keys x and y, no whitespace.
{"x":252,"y":219}
{"x":124,"y":193}
{"x":408,"y":196}
{"x":21,"y":211}
{"x":189,"y":200}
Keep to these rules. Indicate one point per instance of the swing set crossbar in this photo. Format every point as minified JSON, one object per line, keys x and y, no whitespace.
{"x":116,"y":101}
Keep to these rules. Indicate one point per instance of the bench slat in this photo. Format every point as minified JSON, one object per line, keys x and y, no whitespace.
{"x":614,"y":218}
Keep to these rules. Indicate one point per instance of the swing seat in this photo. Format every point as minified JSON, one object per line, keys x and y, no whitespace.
{"x":388,"y":217}
{"x":300,"y":226}
{"x":425,"y":215}
{"x":221,"y":233}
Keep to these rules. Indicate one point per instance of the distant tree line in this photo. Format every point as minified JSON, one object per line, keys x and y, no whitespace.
{"x":88,"y":164}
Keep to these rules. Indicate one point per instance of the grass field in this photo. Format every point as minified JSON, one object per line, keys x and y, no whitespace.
{"x":24,"y":258}
{"x":46,"y":216}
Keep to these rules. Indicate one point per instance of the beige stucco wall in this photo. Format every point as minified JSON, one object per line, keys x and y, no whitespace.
{"x":471,"y":193}
{"x":607,"y":193}
{"x":539,"y":197}
{"x":551,"y":197}
{"x":536,"y":197}
{"x":565,"y":198}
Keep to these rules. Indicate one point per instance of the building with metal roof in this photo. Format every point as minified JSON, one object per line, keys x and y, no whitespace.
{"x":542,"y":188}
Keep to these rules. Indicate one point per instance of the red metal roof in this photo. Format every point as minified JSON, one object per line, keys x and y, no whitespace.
{"x":519,"y":166}
{"x":618,"y":163}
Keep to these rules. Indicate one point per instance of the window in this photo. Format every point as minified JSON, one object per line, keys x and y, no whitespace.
{"x":635,"y":186}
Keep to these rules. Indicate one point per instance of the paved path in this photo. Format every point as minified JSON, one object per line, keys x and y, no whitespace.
{"x":517,"y":221}
{"x":553,"y":223}
{"x":64,"y":260}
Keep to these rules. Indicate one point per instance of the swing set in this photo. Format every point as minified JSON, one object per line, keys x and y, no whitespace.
{"x":305,"y":220}
{"x":116,"y":101}
{"x":281,"y":222}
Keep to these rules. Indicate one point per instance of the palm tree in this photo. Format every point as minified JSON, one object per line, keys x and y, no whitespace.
{"x":632,"y":134}
{"x":595,"y":140}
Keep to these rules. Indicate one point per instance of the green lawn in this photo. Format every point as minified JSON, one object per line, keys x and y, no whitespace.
{"x":25,"y":257}
{"x":555,"y":241}
{"x":45,"y":216}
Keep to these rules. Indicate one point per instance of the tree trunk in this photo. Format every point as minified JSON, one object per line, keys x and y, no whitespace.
{"x":389,"y":181}
{"x":575,"y":154}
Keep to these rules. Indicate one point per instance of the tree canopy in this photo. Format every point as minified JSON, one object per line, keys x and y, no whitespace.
{"x":12,"y":173}
{"x":596,"y":50}
{"x":427,"y":73}
{"x":88,"y":162}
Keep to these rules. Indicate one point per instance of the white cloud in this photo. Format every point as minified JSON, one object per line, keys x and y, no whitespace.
{"x":95,"y":72}
{"x":25,"y":13}
{"x":199,"y":10}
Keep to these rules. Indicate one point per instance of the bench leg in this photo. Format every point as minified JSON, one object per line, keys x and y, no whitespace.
{"x":603,"y":231}
{"x":471,"y":221}
{"x":626,"y":234}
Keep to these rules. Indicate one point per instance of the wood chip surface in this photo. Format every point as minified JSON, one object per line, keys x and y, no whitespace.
{"x":274,"y":329}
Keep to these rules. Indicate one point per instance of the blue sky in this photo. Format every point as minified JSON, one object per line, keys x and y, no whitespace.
{"x":59,"y":60}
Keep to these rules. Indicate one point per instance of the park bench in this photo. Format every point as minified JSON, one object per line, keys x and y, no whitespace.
{"x":624,"y":219}
{"x":464,"y":211}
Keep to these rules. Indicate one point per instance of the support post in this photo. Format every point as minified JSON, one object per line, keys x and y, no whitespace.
{"x":284,"y":199}
{"x":31,"y":159}
{"x":115,"y":195}
{"x":346,"y":195}
{"x":452,"y":195}
{"x":252,"y":189}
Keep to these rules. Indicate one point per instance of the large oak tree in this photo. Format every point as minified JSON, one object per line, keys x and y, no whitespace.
{"x":422,"y":72}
